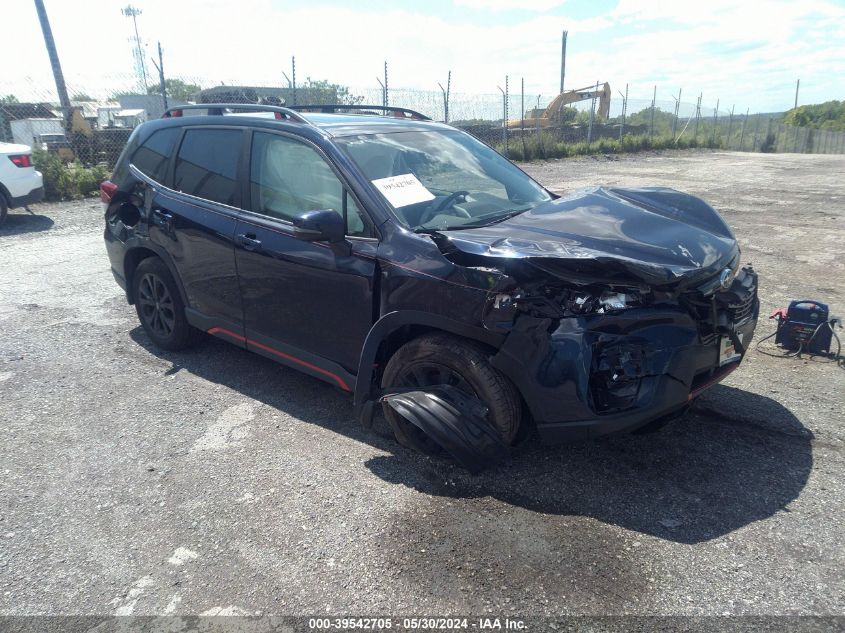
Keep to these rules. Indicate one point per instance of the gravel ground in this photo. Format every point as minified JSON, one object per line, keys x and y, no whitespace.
{"x":214,"y":481}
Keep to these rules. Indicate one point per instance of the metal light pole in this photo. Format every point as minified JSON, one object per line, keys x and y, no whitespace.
{"x":140,"y":67}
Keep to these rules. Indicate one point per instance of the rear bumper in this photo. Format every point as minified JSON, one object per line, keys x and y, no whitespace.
{"x":606,"y":374}
{"x":36,"y":195}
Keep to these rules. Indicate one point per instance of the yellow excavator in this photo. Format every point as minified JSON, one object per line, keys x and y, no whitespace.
{"x":539,"y":117}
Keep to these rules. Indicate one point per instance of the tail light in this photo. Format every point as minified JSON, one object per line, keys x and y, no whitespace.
{"x":21,"y":160}
{"x":107,"y":190}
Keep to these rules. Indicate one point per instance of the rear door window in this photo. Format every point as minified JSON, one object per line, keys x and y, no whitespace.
{"x":207,"y":165}
{"x":152,"y":157}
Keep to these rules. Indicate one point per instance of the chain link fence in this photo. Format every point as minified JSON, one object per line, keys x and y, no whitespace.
{"x":516,"y":123}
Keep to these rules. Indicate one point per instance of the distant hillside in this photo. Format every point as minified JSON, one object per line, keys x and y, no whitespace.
{"x":829,"y":115}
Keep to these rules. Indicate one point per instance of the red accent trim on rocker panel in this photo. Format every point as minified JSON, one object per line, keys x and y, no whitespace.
{"x":340,"y":382}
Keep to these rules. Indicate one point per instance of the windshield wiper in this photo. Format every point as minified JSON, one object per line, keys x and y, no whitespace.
{"x":488,"y":219}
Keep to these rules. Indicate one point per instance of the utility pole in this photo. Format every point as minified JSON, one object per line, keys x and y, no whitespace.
{"x":624,"y":111}
{"x":730,"y":126}
{"x":383,"y":92}
{"x":445,"y":92}
{"x":386,"y":93}
{"x":160,"y":68}
{"x":293,"y":73}
{"x":653,"y":107}
{"x":715,"y":120}
{"x":59,"y":77}
{"x":563,"y":59}
{"x":592,"y":115}
{"x":677,"y":109}
{"x":504,"y":116}
{"x":138,"y":53}
{"x":797,"y":85}
{"x":697,"y":116}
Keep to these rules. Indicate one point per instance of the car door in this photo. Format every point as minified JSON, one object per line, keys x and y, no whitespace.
{"x":194,"y":221}
{"x":302,"y":299}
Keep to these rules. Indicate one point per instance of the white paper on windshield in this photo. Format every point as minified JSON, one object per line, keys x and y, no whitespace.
{"x":403,"y":190}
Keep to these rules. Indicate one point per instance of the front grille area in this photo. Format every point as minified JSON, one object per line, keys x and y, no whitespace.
{"x":743,"y":310}
{"x":717,"y":314}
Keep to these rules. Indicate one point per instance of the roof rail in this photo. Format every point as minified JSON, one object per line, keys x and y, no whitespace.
{"x":219,"y":108}
{"x":393,"y":110}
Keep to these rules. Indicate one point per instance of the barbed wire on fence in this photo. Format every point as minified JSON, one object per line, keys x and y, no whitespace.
{"x":108,"y":108}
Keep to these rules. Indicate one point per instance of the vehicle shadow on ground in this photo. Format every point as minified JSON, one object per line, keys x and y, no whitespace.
{"x":19,"y":222}
{"x":736,"y":458}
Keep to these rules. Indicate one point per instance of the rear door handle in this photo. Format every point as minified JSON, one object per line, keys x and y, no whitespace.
{"x":249,"y":242}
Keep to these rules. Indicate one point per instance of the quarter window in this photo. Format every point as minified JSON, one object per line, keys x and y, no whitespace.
{"x":151,"y":158}
{"x":207,"y":165}
{"x":288,"y":178}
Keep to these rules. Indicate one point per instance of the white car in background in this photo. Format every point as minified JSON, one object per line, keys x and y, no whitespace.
{"x":20,"y":183}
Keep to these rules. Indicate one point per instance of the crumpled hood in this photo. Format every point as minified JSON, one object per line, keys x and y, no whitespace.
{"x":657,"y":235}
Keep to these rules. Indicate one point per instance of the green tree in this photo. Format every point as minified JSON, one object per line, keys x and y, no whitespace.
{"x":322,"y":92}
{"x":82,"y":96}
{"x":176,"y":88}
{"x":829,"y":115}
{"x":9,"y":99}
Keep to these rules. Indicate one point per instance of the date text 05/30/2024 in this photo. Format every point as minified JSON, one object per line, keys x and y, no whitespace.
{"x":418,"y":624}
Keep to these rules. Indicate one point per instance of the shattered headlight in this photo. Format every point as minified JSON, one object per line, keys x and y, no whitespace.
{"x":593,"y":302}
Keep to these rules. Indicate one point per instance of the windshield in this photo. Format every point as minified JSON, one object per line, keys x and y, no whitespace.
{"x":441,"y":180}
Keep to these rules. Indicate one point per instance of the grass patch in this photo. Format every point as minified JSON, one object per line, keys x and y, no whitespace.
{"x":67,"y":181}
{"x":544,"y":145}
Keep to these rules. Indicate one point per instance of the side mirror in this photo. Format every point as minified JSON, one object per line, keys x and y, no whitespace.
{"x":322,"y":225}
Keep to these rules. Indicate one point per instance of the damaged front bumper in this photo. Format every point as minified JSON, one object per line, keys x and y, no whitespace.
{"x":593,"y":375}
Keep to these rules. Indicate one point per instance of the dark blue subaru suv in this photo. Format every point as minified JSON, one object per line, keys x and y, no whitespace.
{"x":406,"y":262}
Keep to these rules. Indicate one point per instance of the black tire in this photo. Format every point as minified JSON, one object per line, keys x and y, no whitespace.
{"x":466,"y":366}
{"x":4,"y":208}
{"x":159,"y":306}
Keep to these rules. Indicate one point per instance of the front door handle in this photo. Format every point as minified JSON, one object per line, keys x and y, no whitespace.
{"x":249,"y":242}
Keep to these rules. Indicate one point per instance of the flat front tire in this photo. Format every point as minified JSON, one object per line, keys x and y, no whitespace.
{"x":159,"y":306}
{"x":441,"y":358}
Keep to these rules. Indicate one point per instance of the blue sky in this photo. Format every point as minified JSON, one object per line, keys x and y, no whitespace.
{"x":746,"y":54}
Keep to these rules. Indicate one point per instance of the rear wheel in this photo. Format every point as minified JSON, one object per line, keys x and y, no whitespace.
{"x":159,"y":306}
{"x":438,"y":359}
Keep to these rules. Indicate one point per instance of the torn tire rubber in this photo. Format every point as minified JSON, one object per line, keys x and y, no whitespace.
{"x":159,"y":306}
{"x":456,"y":420}
{"x":435,"y":359}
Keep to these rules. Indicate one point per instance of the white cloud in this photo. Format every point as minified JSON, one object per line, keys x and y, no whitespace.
{"x":508,"y":5}
{"x":744,"y":53}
